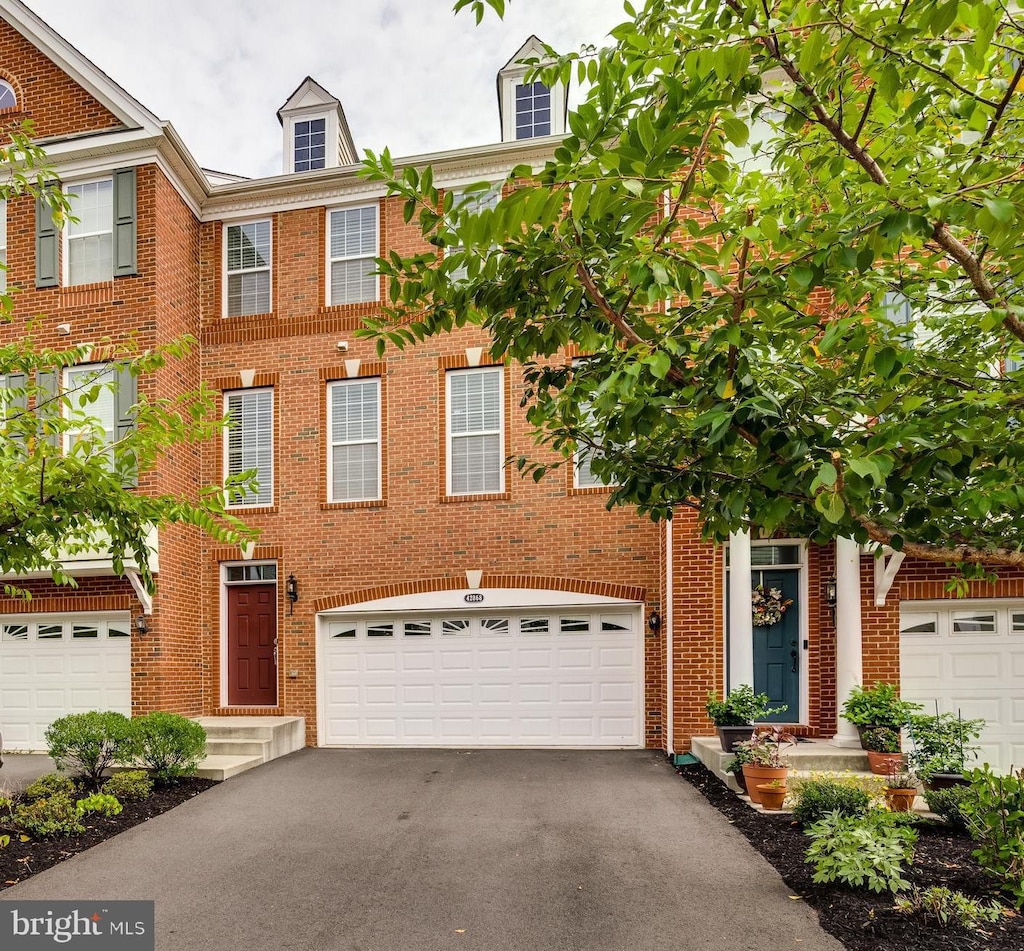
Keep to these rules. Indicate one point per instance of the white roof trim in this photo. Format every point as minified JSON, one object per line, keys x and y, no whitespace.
{"x":493,"y":599}
{"x":82,"y":70}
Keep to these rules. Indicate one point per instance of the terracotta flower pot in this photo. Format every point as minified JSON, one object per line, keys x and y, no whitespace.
{"x":772,"y":797}
{"x":882,"y":764}
{"x":900,"y":799}
{"x":762,"y":774}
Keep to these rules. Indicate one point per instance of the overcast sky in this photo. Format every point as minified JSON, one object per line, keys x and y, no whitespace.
{"x":409,"y":73}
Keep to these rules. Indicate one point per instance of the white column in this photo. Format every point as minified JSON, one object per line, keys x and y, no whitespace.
{"x":741,"y":619}
{"x":849,"y":647}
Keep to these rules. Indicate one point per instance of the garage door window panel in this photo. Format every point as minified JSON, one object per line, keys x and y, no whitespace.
{"x":919,"y":623}
{"x":380,"y":630}
{"x":417,"y":629}
{"x":455,"y":627}
{"x":535,"y":625}
{"x":974,"y":622}
{"x":50,"y":632}
{"x":1017,"y":623}
{"x":495,"y":625}
{"x":574,"y":625}
{"x":15,"y":632}
{"x":476,"y":431}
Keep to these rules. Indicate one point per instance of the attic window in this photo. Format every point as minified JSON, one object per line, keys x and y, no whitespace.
{"x":310,"y":144}
{"x":8,"y":99}
{"x":533,"y":110}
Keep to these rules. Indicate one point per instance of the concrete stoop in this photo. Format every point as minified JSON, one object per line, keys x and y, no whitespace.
{"x":235,"y":744}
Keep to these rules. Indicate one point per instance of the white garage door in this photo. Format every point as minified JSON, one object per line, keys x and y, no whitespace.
{"x":969,"y":656}
{"x":542,"y":678}
{"x":50,"y":666}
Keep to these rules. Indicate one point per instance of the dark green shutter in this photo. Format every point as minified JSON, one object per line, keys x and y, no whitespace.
{"x":125,"y":257}
{"x":47,"y":404}
{"x":125,"y":398}
{"x":47,"y":241}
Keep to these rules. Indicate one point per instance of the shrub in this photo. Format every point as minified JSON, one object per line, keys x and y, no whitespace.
{"x":104,"y":804}
{"x":169,"y":745}
{"x":45,"y":818}
{"x":816,"y":798}
{"x":946,"y":907}
{"x":50,"y":785}
{"x":942,"y":743}
{"x":995,"y":820}
{"x":948,"y":804}
{"x":861,"y":851}
{"x":129,"y":786}
{"x":877,"y":706}
{"x":881,"y":739}
{"x":89,"y":742}
{"x":740,"y":707}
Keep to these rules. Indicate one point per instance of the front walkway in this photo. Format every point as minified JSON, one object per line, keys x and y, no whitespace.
{"x":436,"y":849}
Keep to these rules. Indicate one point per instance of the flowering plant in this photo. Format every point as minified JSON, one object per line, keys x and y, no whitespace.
{"x":768,"y":605}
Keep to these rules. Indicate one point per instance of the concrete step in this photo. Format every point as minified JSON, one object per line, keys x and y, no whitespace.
{"x":235,"y":744}
{"x":222,"y":767}
{"x":812,"y":756}
{"x":239,"y":747}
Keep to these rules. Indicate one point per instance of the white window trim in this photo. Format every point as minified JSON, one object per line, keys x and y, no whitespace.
{"x":69,"y":411}
{"x":331,"y":444}
{"x":376,"y":253}
{"x":513,"y":78}
{"x":331,"y":133}
{"x":65,"y":237}
{"x":449,"y":436}
{"x":233,"y":506}
{"x":227,"y":274}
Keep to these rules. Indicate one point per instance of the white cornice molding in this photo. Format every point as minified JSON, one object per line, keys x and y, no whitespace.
{"x":324,"y":186}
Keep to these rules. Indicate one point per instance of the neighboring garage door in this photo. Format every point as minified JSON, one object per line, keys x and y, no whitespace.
{"x":545,"y":678}
{"x":50,"y":666}
{"x":969,"y":656}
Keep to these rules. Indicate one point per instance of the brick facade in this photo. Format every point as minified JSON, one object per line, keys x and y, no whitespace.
{"x":417,"y":538}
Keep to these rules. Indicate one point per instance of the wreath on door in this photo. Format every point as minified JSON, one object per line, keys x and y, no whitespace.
{"x":768,"y":605}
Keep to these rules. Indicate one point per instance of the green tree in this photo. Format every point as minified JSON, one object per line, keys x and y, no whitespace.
{"x":788,"y":233}
{"x":66,"y":481}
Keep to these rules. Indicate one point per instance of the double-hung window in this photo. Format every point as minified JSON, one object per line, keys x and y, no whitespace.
{"x":471,"y":203}
{"x":533,"y":110}
{"x":353,"y":456}
{"x":351,"y":248}
{"x":248,"y":268}
{"x":89,"y":235}
{"x":249,"y":444}
{"x":476,"y":425}
{"x":583,"y":476}
{"x":98,"y":402}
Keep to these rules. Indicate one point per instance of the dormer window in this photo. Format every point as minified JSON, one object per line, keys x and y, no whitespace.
{"x":310,"y":144}
{"x":533,"y":110}
{"x":528,"y":108}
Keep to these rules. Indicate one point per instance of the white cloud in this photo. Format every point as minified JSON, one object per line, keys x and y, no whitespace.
{"x":410,"y":74}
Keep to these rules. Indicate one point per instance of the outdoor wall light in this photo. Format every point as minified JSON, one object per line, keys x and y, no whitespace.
{"x":654,"y":622}
{"x":830,"y":596}
{"x":141,"y":624}
{"x":291,"y":590}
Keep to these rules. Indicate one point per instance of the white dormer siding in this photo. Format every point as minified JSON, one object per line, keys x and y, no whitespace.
{"x":315,"y":130}
{"x":529,"y":109}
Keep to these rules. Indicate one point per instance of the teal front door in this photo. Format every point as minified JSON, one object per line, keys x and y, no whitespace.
{"x":777,"y":646}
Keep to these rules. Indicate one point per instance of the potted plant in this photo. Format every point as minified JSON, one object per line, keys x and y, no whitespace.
{"x":773,"y":795}
{"x":900,"y":790}
{"x":740,"y":757}
{"x":766,"y":760}
{"x":942,"y":744}
{"x":883,"y":748}
{"x":735,"y":715}
{"x":878,"y":706}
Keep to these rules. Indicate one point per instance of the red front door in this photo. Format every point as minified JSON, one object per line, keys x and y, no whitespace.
{"x":252,"y":645}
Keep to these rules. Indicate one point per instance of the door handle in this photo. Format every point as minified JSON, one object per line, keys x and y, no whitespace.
{"x":794,"y":655}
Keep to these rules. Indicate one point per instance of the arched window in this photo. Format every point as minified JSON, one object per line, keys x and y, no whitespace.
{"x":8,"y":100}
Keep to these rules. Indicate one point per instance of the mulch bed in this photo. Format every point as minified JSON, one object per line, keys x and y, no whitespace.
{"x":861,"y":920}
{"x":22,"y":860}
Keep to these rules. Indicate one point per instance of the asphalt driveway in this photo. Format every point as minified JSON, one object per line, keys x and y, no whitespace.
{"x":418,"y":850}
